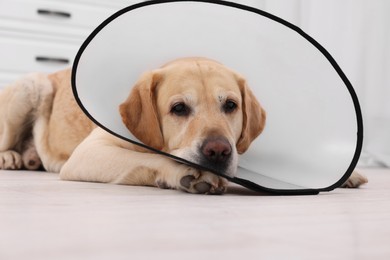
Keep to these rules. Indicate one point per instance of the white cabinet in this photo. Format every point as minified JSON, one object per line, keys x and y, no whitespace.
{"x":45,"y":35}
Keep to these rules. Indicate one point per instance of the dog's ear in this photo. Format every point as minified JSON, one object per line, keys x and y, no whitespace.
{"x":254,"y":117}
{"x":139,"y":111}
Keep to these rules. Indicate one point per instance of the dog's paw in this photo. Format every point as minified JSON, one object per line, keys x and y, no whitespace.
{"x":354,"y":181}
{"x":201,"y":182}
{"x":183,"y":177}
{"x":10,"y":160}
{"x":31,"y":160}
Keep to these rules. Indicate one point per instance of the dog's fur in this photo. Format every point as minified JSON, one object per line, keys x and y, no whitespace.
{"x":193,"y":108}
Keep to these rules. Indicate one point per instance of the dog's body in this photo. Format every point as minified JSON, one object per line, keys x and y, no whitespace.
{"x":193,"y":108}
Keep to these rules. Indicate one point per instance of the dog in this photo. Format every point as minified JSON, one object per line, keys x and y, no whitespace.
{"x":193,"y":108}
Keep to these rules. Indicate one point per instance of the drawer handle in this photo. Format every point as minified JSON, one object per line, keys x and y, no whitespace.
{"x":51,"y":60}
{"x":54,"y":13}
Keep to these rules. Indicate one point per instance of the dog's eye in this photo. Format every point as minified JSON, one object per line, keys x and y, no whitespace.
{"x":180,"y":109}
{"x":229,"y":106}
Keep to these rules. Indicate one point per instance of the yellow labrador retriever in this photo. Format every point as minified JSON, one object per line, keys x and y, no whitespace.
{"x":194,"y":108}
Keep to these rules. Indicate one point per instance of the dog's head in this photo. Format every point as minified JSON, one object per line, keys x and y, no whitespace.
{"x":196,"y":109}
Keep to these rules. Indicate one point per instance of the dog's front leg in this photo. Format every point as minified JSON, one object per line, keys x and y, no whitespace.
{"x":102,"y":157}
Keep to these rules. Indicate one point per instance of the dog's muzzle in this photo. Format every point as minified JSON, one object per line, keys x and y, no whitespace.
{"x":216,"y":153}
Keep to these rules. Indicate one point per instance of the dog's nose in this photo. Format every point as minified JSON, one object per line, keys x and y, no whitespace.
{"x":216,"y":149}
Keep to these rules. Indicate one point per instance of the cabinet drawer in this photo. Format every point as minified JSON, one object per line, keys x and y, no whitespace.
{"x":55,"y":12}
{"x":25,"y":56}
{"x":118,"y":4}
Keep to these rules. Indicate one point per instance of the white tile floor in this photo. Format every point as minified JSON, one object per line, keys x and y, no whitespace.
{"x":42,"y":217}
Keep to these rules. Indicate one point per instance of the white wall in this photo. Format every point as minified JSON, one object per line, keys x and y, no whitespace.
{"x":357,"y":35}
